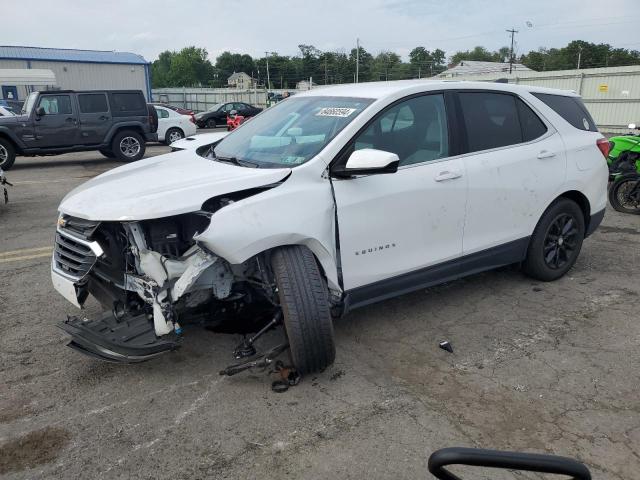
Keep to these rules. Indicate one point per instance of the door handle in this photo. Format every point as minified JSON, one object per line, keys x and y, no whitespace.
{"x":447,"y":175}
{"x":70,"y":119}
{"x":104,"y":118}
{"x":546,"y":154}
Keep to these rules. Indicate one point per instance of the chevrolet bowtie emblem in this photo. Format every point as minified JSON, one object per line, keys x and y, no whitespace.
{"x":62,"y":222}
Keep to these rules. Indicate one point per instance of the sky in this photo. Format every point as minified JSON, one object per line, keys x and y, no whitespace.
{"x":148,"y":27}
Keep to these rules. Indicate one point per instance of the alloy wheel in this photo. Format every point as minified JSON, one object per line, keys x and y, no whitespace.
{"x":4,"y":155}
{"x":130,"y":146}
{"x":174,"y":136}
{"x":561,"y":241}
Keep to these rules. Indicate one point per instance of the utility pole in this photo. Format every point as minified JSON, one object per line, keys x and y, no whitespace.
{"x":266,"y":55}
{"x":512,"y":32}
{"x":579,"y":57}
{"x":325,"y":68}
{"x":357,"y":59}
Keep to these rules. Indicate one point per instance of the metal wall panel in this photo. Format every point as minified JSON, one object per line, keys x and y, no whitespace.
{"x":612,"y":95}
{"x":95,"y":76}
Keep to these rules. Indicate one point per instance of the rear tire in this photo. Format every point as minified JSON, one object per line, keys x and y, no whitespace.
{"x":128,"y":146}
{"x":618,"y":194}
{"x":304,"y":299}
{"x":173,"y":135}
{"x":7,"y":154}
{"x":556,"y":241}
{"x":211,"y":123}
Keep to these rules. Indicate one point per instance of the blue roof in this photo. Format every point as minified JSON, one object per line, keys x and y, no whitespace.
{"x":69,"y":55}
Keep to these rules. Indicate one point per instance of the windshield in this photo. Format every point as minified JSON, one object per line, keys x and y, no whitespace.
{"x":215,"y":107}
{"x":291,"y":132}
{"x":28,"y":104}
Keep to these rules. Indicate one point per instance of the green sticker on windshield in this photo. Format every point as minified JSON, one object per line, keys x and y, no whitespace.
{"x":335,"y":112}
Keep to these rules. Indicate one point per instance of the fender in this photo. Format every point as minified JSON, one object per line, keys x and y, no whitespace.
{"x":243,"y":229}
{"x":120,"y":125}
{"x":7,"y":132}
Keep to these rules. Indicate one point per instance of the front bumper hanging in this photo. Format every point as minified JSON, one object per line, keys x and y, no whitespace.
{"x":131,"y":339}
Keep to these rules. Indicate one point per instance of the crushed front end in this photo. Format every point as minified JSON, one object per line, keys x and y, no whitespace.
{"x":150,"y":277}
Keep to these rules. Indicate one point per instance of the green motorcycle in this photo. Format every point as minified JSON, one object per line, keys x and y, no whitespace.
{"x":624,"y":154}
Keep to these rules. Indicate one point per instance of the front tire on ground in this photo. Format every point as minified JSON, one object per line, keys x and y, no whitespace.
{"x":7,"y":154}
{"x":556,"y":241}
{"x":622,"y":194}
{"x":128,"y":146}
{"x":304,"y":299}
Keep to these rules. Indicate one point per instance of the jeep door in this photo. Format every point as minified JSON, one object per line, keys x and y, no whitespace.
{"x":515,"y":165}
{"x":392,"y":224}
{"x":94,"y":117}
{"x":58,"y":126}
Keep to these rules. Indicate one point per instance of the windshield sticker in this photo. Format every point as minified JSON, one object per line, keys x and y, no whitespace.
{"x":335,"y":112}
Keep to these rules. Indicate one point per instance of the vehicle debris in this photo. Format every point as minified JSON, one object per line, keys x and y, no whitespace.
{"x":446,"y":345}
{"x":3,"y":183}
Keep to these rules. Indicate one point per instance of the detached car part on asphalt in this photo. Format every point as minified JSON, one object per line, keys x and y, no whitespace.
{"x":3,"y":187}
{"x":332,"y":200}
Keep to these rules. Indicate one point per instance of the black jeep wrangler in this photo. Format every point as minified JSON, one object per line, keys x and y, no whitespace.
{"x":115,"y":122}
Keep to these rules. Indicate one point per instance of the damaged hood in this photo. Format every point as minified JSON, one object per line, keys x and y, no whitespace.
{"x":162,"y":186}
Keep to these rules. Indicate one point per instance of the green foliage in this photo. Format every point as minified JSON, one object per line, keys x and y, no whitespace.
{"x":191,"y":67}
{"x":591,"y":56}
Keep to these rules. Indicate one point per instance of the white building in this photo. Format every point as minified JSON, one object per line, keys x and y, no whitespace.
{"x":473,"y":67}
{"x":241,"y":81}
{"x":76,"y":69}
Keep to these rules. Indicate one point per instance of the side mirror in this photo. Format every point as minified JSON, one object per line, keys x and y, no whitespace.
{"x":369,"y":161}
{"x":40,"y":111}
{"x":527,"y":462}
{"x":233,"y":113}
{"x":632,"y":126}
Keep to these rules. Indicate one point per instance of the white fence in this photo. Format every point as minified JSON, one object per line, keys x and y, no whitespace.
{"x":199,"y":99}
{"x":612,"y":95}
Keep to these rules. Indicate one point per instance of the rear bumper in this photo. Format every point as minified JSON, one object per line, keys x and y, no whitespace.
{"x":594,"y":222}
{"x":151,"y":137}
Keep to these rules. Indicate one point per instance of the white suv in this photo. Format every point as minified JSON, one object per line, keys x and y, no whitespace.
{"x":331,"y":200}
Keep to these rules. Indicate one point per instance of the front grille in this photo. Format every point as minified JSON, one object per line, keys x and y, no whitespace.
{"x":72,"y":257}
{"x":78,"y":227}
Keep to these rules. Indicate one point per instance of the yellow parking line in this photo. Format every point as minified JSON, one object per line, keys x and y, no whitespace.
{"x":25,"y":257}
{"x":25,"y":250}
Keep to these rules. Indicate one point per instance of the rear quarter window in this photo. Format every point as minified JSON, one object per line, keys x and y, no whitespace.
{"x":570,"y":108}
{"x":128,"y":102}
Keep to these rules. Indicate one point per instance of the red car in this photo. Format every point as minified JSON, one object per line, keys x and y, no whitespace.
{"x":181,"y":111}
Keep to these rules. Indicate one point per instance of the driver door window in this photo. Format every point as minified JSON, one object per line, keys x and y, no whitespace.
{"x":56,"y":104}
{"x":415,"y":130}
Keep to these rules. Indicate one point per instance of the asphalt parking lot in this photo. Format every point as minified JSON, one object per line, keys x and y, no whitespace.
{"x":536,"y":367}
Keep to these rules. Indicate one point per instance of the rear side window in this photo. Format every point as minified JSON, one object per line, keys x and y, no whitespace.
{"x":93,"y":103}
{"x":128,"y":102}
{"x":491,"y":120}
{"x":532,"y":126}
{"x":571,"y":109}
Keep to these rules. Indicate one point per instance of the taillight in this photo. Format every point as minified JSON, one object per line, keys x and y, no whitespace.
{"x":192,"y":118}
{"x":603,"y":145}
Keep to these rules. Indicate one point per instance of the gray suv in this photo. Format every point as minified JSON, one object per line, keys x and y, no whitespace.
{"x":115,"y":122}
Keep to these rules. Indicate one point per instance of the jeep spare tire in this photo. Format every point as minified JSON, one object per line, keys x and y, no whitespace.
{"x":304,"y":299}
{"x":128,"y":146}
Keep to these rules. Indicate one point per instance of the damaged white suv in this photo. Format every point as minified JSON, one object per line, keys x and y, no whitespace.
{"x":331,"y":200}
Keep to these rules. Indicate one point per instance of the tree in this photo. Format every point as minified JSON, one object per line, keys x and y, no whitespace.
{"x":160,"y":69}
{"x":189,"y":67}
